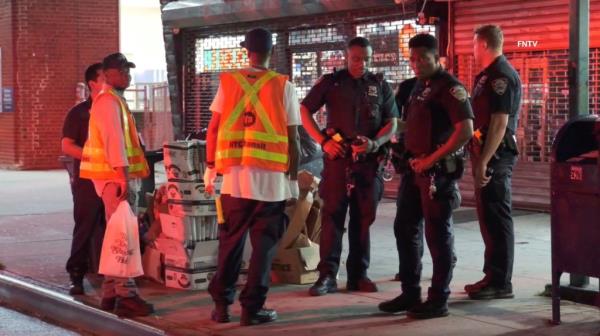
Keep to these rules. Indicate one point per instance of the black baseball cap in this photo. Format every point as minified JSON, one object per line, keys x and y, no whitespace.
{"x":116,"y":61}
{"x":258,"y":40}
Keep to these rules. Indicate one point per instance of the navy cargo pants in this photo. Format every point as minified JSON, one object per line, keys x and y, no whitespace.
{"x":362,"y":202}
{"x":494,"y":209}
{"x":415,"y":207}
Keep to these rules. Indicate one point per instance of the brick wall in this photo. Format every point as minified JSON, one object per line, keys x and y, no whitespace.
{"x":7,"y":146}
{"x":53,"y":42}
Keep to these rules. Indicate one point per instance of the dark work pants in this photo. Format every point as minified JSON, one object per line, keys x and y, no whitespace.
{"x":265,"y":222}
{"x":494,"y":209}
{"x":88,"y":232}
{"x":363,"y":207}
{"x":414,"y":206}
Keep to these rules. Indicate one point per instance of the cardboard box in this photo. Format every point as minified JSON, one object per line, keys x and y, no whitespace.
{"x":203,"y":255}
{"x":297,"y":265}
{"x":184,"y":160}
{"x":297,"y":215}
{"x":176,"y":228}
{"x":297,"y":256}
{"x":192,"y":208}
{"x":188,"y":279}
{"x":188,"y":191}
{"x":175,"y":253}
{"x":189,"y":228}
{"x":152,"y":261}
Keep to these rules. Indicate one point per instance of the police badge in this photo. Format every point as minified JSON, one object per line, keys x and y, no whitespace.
{"x":372,"y":91}
{"x":499,"y":85}
{"x":459,"y":93}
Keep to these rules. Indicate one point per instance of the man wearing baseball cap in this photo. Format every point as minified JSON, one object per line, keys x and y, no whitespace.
{"x":113,"y":158}
{"x":252,"y":140}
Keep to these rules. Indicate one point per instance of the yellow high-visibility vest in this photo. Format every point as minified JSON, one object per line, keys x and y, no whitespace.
{"x":253,"y":130}
{"x":94,"y":164}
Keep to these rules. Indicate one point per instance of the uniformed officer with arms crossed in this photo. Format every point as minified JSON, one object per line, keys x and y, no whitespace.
{"x":360,"y":108}
{"x":438,"y":124}
{"x":253,"y":141}
{"x":496,"y":102}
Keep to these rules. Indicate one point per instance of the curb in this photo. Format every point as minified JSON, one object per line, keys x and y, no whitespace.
{"x":66,"y":311}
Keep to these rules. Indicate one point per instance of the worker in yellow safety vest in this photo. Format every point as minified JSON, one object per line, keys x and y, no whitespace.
{"x":252,"y":141}
{"x":113,"y":159}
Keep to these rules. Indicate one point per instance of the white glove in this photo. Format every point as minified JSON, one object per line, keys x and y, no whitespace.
{"x":294,"y":190}
{"x":210,"y":174}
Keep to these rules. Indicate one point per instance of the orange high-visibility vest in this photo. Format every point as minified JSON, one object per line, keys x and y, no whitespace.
{"x":94,"y":164}
{"x":253,"y":127}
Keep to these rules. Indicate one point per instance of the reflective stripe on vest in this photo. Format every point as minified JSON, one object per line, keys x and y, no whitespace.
{"x":93,"y":162}
{"x":265,"y":148}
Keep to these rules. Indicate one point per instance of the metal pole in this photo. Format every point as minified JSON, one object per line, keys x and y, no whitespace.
{"x":579,"y":57}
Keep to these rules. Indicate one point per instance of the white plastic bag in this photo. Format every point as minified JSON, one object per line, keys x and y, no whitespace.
{"x":121,"y":255}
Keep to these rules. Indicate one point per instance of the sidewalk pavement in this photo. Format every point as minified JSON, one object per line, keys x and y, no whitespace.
{"x":35,"y":228}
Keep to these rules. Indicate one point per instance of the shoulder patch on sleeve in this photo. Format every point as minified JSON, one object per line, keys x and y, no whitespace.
{"x":499,"y":85}
{"x":459,"y":92}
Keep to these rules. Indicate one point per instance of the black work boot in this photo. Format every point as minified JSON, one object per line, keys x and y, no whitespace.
{"x":324,"y":285}
{"x":429,"y":309}
{"x":258,"y":317}
{"x":490,"y":292}
{"x":402,"y":302}
{"x":363,"y":284}
{"x":220,"y":314}
{"x":473,"y":287}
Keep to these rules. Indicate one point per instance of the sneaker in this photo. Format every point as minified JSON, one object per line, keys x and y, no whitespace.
{"x":220,"y":314}
{"x":108,"y":304}
{"x":490,"y":292}
{"x":400,"y":303}
{"x":132,"y":306}
{"x":362,"y":285}
{"x":429,"y":309}
{"x":324,"y":285}
{"x":259,"y":317}
{"x":473,"y":287}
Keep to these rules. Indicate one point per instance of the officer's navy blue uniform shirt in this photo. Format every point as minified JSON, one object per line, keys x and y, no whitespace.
{"x":404,"y":90}
{"x":497,"y":89}
{"x":435,"y":105}
{"x":76,"y":127}
{"x":354,"y":106}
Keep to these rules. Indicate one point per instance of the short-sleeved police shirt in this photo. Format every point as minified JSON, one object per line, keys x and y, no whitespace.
{"x":354,"y":106}
{"x":402,"y":95}
{"x":76,"y":126}
{"x":434,"y":106}
{"x":497,"y":89}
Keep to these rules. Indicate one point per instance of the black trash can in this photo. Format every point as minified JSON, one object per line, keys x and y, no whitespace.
{"x":575,"y":203}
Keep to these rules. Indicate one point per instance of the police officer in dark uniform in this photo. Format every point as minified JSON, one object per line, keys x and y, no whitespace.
{"x":438,"y":124}
{"x":88,"y":209}
{"x":399,"y":156}
{"x":496,"y":102}
{"x":361,"y":116}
